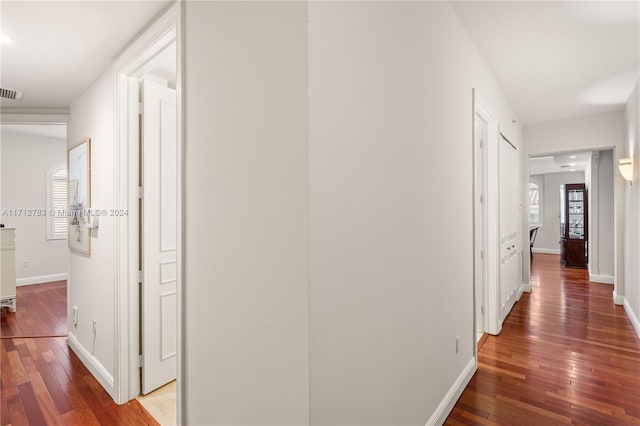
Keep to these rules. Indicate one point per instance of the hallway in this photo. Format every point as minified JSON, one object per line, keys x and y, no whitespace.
{"x":566,"y":355}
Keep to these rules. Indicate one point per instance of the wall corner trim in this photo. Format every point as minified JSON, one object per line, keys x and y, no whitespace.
{"x":618,"y":300}
{"x":93,"y":365}
{"x":526,"y":287}
{"x":632,"y":316}
{"x":41,"y":279}
{"x":446,"y":405}
{"x":603,"y":279}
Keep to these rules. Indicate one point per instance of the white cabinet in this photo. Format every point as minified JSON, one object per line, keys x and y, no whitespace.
{"x":8,"y":268}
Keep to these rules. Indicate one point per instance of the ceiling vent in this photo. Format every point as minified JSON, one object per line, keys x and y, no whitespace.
{"x":14,"y":95}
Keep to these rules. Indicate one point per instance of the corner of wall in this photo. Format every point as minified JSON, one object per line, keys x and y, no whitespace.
{"x":632,"y":316}
{"x":441,"y":413}
{"x":93,"y":365}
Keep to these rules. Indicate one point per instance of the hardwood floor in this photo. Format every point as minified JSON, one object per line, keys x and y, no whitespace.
{"x":42,"y":382}
{"x":42,"y":311}
{"x":566,"y":355}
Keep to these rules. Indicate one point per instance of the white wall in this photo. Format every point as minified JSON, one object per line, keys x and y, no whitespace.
{"x":382,"y":180}
{"x":606,"y":201}
{"x":91,"y":277}
{"x":632,"y":210}
{"x":391,"y":207}
{"x":592,"y":132}
{"x":549,"y":233}
{"x":25,"y":161}
{"x":246,"y":213}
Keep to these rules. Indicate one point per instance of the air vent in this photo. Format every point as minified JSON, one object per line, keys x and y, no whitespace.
{"x":563,"y":166}
{"x":15,"y":95}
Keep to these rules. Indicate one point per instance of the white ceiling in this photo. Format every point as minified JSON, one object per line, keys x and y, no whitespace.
{"x":59,"y":48}
{"x":558,"y":59}
{"x":552,"y":59}
{"x":56,"y":131}
{"x":559,"y":163}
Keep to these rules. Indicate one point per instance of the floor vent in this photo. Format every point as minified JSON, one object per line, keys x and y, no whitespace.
{"x":15,"y":95}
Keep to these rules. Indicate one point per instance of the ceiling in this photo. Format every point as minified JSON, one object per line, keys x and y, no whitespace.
{"x":559,"y":163}
{"x":58,"y":48}
{"x":553,"y":60}
{"x":56,"y":131}
{"x":558,"y":59}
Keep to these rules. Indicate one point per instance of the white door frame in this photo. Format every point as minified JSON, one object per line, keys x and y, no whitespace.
{"x":489,"y":221}
{"x":166,"y":30}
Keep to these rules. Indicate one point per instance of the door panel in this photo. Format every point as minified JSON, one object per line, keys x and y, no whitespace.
{"x":159,"y":235}
{"x":509,"y":221}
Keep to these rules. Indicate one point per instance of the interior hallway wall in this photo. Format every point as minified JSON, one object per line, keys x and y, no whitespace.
{"x":348,"y":234}
{"x":246,"y":213}
{"x":606,"y":201}
{"x":632,"y":209}
{"x":91,"y":277}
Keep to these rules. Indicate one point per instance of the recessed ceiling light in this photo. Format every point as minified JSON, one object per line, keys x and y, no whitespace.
{"x":572,"y":164}
{"x":572,"y":157}
{"x":5,"y":40}
{"x":572,"y":170}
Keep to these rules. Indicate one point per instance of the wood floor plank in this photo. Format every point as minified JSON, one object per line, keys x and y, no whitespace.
{"x":566,"y":355}
{"x":30,"y":404}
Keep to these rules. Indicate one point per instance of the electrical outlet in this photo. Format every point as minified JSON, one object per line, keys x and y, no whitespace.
{"x":457,"y":344}
{"x":25,"y":263}
{"x":75,"y":316}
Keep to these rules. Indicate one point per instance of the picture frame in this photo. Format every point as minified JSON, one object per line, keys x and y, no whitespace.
{"x":79,"y":172}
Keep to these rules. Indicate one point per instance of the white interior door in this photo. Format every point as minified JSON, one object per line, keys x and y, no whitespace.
{"x":509,"y":244}
{"x":159,"y":235}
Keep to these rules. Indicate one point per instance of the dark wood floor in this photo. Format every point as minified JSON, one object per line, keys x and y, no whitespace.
{"x":42,"y":311}
{"x":566,"y":355}
{"x":42,"y":382}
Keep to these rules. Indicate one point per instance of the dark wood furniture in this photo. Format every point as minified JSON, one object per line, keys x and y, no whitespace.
{"x":533,"y":232}
{"x":573,"y":225}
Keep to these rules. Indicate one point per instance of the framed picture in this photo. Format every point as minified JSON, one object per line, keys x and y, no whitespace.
{"x":79,"y":169}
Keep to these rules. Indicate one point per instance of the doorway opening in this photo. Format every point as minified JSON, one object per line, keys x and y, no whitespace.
{"x":148,"y":174}
{"x":486,"y":221}
{"x":33,"y":201}
{"x":579,"y":228}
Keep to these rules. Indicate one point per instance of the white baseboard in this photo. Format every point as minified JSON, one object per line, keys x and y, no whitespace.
{"x":525,"y":288}
{"x":545,"y":251}
{"x":604,"y":279}
{"x":93,"y":365}
{"x":41,"y":279}
{"x":632,"y":316}
{"x":446,"y":405}
{"x":618,"y":300}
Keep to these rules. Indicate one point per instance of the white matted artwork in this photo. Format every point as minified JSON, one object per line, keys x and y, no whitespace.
{"x":79,"y":164}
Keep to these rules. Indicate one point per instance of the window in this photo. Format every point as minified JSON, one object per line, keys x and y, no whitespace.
{"x":57,"y":193}
{"x":535,"y":203}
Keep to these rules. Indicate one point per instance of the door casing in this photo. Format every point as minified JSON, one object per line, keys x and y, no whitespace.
{"x":130,"y":66}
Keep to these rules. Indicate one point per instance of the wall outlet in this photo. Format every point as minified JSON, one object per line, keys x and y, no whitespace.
{"x":25,"y":263}
{"x":457,"y":344}
{"x":75,"y":316}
